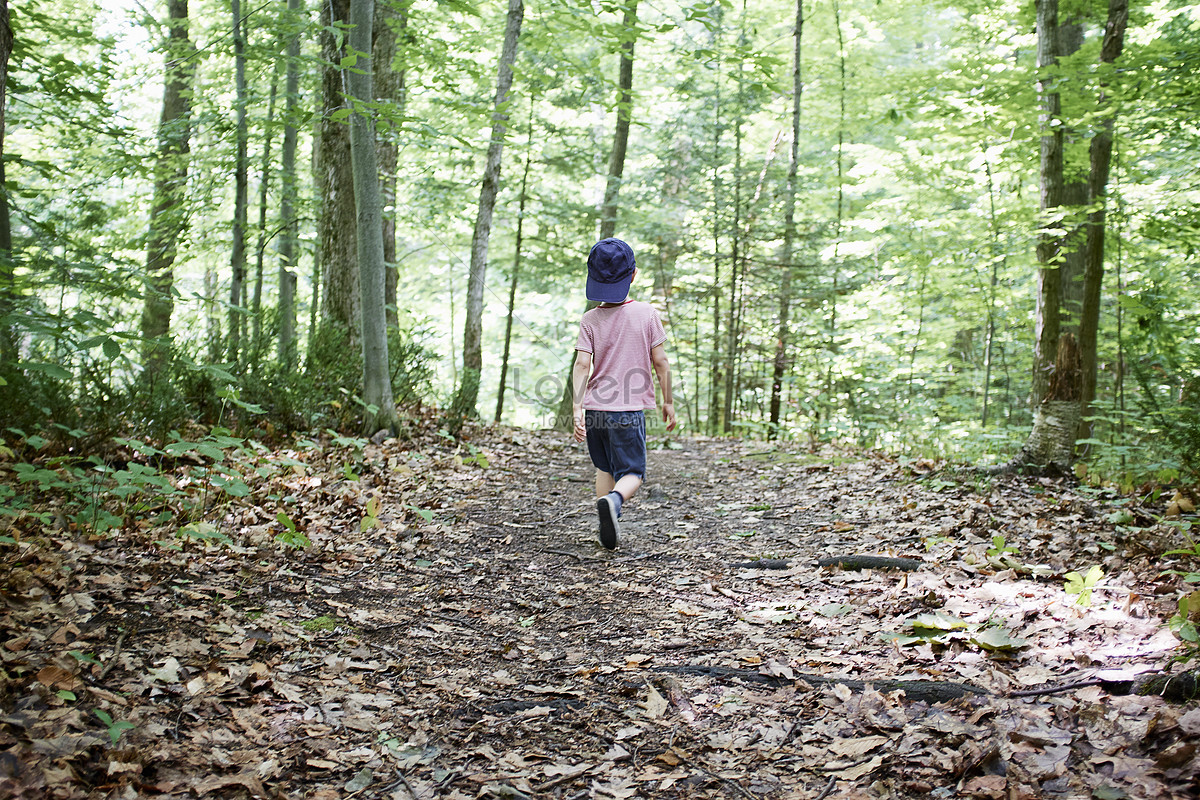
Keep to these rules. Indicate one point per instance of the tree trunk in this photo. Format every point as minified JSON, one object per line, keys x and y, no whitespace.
{"x":380,"y":413}
{"x":1051,"y":444}
{"x":8,"y":288}
{"x":391,"y":24}
{"x":288,"y":192}
{"x":340,"y":293}
{"x":1049,"y":247}
{"x":264,"y":185}
{"x":1100,"y":160}
{"x":468,"y":391}
{"x":616,"y":160}
{"x":516,"y":271}
{"x":783,"y":333}
{"x":168,"y":218}
{"x":237,"y":257}
{"x":730,"y":366}
{"x":715,"y":380}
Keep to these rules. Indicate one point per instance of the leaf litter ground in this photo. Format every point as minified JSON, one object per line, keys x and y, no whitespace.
{"x":455,"y":631}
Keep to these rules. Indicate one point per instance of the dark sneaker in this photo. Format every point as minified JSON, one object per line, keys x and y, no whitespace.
{"x":609,"y":528}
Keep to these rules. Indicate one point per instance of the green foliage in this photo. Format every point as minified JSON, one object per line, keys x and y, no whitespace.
{"x":116,"y":728}
{"x":1082,"y":585}
{"x":941,"y":628}
{"x":291,"y":535}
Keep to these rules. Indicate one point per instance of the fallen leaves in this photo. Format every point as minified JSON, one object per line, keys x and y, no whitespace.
{"x":453,"y":631}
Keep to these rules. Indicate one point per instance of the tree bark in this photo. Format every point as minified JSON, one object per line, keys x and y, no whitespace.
{"x":8,"y":289}
{"x":380,"y":413}
{"x":241,"y":182}
{"x":1049,"y":246}
{"x":391,"y":25}
{"x":264,"y":186}
{"x":1051,"y":444}
{"x":1100,"y":161}
{"x":168,"y":217}
{"x":516,"y":271}
{"x":616,"y":160}
{"x":783,"y":333}
{"x":288,"y":193}
{"x":340,"y":292}
{"x":468,"y":391}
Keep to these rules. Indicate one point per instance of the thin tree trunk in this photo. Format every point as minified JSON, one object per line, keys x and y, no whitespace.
{"x":730,"y":367}
{"x":1049,"y":247}
{"x":380,"y":413}
{"x":391,"y":23}
{"x":8,"y":288}
{"x":168,"y":218}
{"x":516,"y":270}
{"x":616,"y":160}
{"x":783,"y":332}
{"x":468,"y":392}
{"x":841,"y":204}
{"x":264,"y":184}
{"x":715,"y":379}
{"x":241,"y":182}
{"x":288,"y":193}
{"x":340,"y":293}
{"x":997,"y":258}
{"x":1100,"y":161}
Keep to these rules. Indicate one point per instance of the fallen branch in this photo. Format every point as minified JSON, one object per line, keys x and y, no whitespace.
{"x":871,"y":562}
{"x":1181,"y":688}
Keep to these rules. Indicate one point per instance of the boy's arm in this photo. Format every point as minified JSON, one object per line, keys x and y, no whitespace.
{"x":662,"y":368}
{"x":579,"y":378}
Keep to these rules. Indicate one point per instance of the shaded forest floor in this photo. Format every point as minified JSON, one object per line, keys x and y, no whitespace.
{"x":455,"y":631}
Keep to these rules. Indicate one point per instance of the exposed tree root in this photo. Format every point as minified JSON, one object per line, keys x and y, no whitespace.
{"x":1181,"y":688}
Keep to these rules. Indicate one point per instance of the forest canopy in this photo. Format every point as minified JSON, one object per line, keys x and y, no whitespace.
{"x":862,"y":223}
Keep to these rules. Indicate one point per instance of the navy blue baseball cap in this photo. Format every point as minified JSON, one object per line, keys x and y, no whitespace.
{"x":610,"y":271}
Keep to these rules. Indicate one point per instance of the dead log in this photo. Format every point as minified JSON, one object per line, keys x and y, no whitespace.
{"x":761,"y":563}
{"x":871,"y":562}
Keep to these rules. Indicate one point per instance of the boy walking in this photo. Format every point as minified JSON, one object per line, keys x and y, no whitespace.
{"x":620,"y":342}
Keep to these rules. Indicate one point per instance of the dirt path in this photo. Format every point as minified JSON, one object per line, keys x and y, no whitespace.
{"x":496,"y":650}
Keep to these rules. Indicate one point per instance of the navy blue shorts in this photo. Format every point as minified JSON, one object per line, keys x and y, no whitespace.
{"x":616,"y":442}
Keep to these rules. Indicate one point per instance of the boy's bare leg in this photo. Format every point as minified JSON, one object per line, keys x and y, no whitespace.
{"x":627,"y":487}
{"x":604,"y":483}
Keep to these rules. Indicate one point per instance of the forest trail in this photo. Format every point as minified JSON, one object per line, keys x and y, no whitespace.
{"x":456,"y":631}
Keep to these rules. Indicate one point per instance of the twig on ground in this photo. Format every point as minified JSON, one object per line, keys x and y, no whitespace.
{"x":113,"y":661}
{"x":828,"y":788}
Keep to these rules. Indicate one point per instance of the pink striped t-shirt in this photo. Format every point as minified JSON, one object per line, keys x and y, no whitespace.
{"x":620,"y":339}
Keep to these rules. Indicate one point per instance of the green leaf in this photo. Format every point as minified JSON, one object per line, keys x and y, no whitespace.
{"x":936,"y":623}
{"x":83,"y":658}
{"x":997,"y":639}
{"x":53,"y":370}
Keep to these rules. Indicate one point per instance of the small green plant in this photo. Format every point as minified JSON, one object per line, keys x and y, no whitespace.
{"x":1183,"y":624}
{"x":115,"y":727}
{"x":203,"y":532}
{"x":1082,"y":585}
{"x":476,"y":457}
{"x":290,"y":536}
{"x":370,"y":518}
{"x":1000,"y":547}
